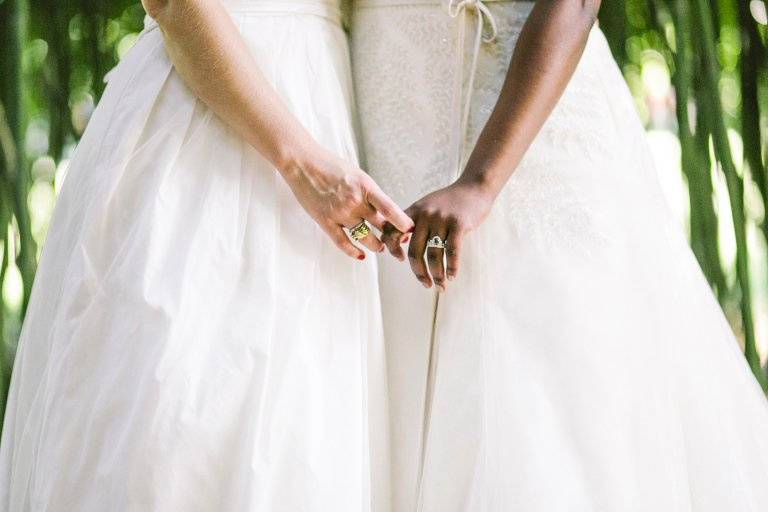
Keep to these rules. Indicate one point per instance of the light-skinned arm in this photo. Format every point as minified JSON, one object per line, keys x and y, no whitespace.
{"x":208,"y":52}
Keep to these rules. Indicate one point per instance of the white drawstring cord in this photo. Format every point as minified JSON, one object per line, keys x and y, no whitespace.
{"x":458,"y":8}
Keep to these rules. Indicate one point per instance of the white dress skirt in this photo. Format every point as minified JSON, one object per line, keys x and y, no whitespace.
{"x":194,"y":341}
{"x":580,"y":362}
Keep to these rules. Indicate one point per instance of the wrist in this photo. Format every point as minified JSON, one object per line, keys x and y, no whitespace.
{"x":296,"y":160}
{"x":479,"y":183}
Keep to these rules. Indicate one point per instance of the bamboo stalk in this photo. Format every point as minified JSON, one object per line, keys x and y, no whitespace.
{"x":12,"y":34}
{"x":6,"y":361}
{"x":703,"y":219}
{"x":8,"y":154}
{"x":706,"y":42}
{"x":710,"y":236}
{"x":613,"y":21}
{"x":57,"y":78}
{"x":753,"y":56}
{"x":95,"y":31}
{"x":8,"y":160}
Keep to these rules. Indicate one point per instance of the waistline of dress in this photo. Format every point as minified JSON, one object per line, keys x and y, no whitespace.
{"x":327,"y":9}
{"x":393,"y":3}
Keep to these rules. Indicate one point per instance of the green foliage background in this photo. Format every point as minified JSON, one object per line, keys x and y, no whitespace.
{"x":698,"y":70}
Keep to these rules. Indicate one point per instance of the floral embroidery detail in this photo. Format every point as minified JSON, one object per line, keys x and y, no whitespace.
{"x":404,"y":58}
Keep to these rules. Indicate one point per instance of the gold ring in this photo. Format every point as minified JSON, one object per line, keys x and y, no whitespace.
{"x":360,"y":230}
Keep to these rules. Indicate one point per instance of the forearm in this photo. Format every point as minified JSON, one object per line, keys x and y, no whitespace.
{"x":212,"y":58}
{"x":545,"y":57}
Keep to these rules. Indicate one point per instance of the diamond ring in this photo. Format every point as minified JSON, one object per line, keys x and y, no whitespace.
{"x":436,"y":242}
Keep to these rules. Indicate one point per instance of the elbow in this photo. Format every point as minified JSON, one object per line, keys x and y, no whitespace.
{"x":155,"y":8}
{"x":589,"y":10}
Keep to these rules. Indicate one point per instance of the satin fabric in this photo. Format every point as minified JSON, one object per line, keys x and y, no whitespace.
{"x":194,"y":342}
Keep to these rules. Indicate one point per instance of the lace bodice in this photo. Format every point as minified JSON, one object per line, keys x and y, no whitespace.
{"x":412,"y":82}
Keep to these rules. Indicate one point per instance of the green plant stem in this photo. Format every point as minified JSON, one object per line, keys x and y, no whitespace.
{"x":703,"y":220}
{"x":12,"y":35}
{"x":706,"y":42}
{"x":753,"y":57}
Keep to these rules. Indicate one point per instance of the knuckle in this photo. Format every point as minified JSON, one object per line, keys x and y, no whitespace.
{"x":352,"y":202}
{"x":364,"y":182}
{"x":430,"y":213}
{"x":338,"y":213}
{"x":350,"y":180}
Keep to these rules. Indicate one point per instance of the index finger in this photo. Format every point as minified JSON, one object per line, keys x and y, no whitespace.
{"x":392,"y":239}
{"x":387,"y":207}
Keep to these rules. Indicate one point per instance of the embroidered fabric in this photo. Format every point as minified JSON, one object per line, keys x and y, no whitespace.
{"x":579,"y":361}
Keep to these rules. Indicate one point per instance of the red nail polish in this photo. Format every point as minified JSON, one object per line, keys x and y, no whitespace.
{"x":405,"y":240}
{"x":361,"y":257}
{"x":412,"y":228}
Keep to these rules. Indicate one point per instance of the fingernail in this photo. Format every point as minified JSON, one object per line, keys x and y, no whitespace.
{"x":381,"y":249}
{"x":451,"y":277}
{"x":405,"y":240}
{"x":426,"y":284}
{"x":412,"y":228}
{"x":361,"y":257}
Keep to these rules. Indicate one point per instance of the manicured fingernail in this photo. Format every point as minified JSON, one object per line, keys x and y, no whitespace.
{"x":405,"y":240}
{"x":361,"y":257}
{"x":412,"y":228}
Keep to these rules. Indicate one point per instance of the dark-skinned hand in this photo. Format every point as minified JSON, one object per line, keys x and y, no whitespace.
{"x":449,"y":213}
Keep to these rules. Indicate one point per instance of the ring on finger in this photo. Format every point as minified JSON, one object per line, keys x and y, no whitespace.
{"x":360,"y":230}
{"x":436,"y":242}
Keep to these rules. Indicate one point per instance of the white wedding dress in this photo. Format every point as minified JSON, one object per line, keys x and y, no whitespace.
{"x":194,"y":341}
{"x":580,"y":362}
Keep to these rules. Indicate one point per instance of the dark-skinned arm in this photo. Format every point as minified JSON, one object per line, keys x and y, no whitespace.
{"x":547,"y":52}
